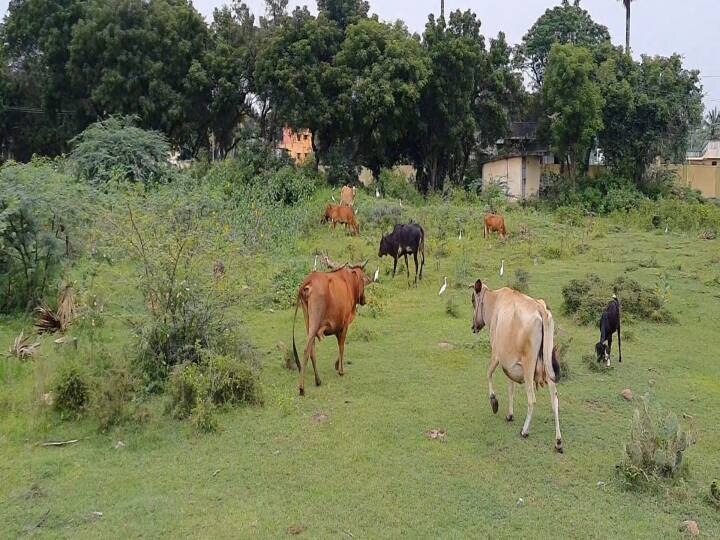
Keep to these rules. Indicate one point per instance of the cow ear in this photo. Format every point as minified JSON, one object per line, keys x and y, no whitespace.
{"x":478,"y":286}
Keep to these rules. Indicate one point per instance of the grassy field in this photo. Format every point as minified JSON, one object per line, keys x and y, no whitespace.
{"x":350,"y":460}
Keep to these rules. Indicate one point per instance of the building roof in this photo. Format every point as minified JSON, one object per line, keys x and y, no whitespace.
{"x":523,"y":130}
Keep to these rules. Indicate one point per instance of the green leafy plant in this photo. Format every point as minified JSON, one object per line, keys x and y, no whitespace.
{"x":655,"y":449}
{"x":71,"y":388}
{"x":116,"y":149}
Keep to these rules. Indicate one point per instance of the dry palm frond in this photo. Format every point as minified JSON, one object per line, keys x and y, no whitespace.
{"x":22,"y":348}
{"x":48,"y":321}
{"x":67,"y":307}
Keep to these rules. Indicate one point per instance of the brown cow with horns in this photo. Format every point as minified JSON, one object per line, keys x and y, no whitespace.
{"x":328,"y":301}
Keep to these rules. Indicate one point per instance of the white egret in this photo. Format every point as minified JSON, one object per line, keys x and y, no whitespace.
{"x":377,"y":192}
{"x":377,"y":275}
{"x":666,"y":229}
{"x":442,"y":289}
{"x":315,"y":263}
{"x":502,"y":267}
{"x":460,"y":235}
{"x":333,"y":197}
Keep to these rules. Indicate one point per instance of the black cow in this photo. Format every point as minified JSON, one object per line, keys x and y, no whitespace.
{"x":405,"y":239}
{"x":609,"y":324}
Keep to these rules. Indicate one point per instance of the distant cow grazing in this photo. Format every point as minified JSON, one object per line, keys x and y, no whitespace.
{"x":609,"y":324}
{"x":521,"y":341}
{"x":342,"y":214}
{"x":328,"y":301}
{"x":347,"y":196}
{"x":494,"y":223}
{"x":405,"y":239}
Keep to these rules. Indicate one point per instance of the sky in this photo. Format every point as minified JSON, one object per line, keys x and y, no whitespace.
{"x":658,"y":26}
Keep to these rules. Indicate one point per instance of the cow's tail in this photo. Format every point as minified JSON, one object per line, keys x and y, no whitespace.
{"x":619,"y":319}
{"x":552,"y":367}
{"x":295,"y":353}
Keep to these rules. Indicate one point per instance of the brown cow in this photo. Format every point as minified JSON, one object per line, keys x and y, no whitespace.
{"x":494,"y":223}
{"x":341,"y":214}
{"x":328,"y":301}
{"x":521,"y":342}
{"x":347,"y":196}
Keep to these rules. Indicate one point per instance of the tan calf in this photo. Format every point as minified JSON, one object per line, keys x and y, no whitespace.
{"x":521,"y":340}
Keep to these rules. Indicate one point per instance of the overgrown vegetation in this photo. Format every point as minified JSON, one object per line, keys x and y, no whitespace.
{"x":655,"y":449}
{"x":585,"y":299}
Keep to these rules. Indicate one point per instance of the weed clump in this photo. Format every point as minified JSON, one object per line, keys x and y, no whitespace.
{"x":451,"y":308}
{"x":217,"y":381}
{"x":71,"y":389}
{"x":111,"y":396}
{"x":585,"y":299}
{"x":596,"y":366}
{"x":521,"y":282}
{"x":655,"y":449}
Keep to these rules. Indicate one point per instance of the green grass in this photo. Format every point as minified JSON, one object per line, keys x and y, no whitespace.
{"x":368,"y":471}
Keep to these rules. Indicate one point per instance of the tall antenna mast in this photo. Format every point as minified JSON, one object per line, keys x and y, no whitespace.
{"x":442,"y":9}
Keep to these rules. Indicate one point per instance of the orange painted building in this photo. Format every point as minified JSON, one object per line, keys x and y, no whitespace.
{"x":297,"y":145}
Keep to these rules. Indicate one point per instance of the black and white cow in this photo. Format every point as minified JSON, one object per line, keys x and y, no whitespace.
{"x":609,"y":324}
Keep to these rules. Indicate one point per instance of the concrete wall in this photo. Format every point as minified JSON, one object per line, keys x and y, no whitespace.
{"x":510,"y":171}
{"x":705,"y":178}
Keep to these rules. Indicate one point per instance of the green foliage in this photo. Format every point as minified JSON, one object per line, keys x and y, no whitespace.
{"x":71,"y":388}
{"x":655,"y":449}
{"x":602,"y":195}
{"x":285,"y":284}
{"x":114,"y":149}
{"x":41,"y":212}
{"x":385,"y":215}
{"x":395,"y":184}
{"x":216,"y":381}
{"x":650,"y":108}
{"x":203,"y":417}
{"x":592,"y":363}
{"x":521,"y":282}
{"x":564,"y":24}
{"x":573,"y":103}
{"x":452,"y":308}
{"x":110,"y":396}
{"x":586,"y":299}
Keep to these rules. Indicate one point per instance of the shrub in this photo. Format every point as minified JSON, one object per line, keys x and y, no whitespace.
{"x":111,"y":394}
{"x":385,"y":216}
{"x":395,"y":184}
{"x":71,"y":388}
{"x":116,"y":149}
{"x":587,"y":298}
{"x":655,"y":448}
{"x":203,"y":417}
{"x":215,"y":382}
{"x":493,"y":195}
{"x":521,"y":282}
{"x":285,"y":284}
{"x":232,"y":382}
{"x":41,"y":213}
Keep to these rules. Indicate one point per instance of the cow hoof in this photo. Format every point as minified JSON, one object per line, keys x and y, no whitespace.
{"x":318,"y":382}
{"x":509,"y":417}
{"x":494,"y":404}
{"x":559,"y":446}
{"x":524,"y":435}
{"x":302,"y":391}
{"x":341,"y":373}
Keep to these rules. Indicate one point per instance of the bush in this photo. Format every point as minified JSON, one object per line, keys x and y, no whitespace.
{"x":285,"y":284}
{"x":110,"y":397}
{"x":71,"y":389}
{"x":215,"y":382}
{"x":115,"y":149}
{"x":340,"y":168}
{"x":203,"y":417}
{"x":587,"y":298}
{"x":655,"y":448}
{"x":41,"y":216}
{"x":385,"y":216}
{"x":395,"y":184}
{"x":521,"y":282}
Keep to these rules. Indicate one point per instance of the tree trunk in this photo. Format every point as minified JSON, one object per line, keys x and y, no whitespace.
{"x":316,"y":155}
{"x":627,"y":26}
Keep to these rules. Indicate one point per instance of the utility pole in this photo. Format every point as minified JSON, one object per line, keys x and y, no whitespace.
{"x":442,"y":9}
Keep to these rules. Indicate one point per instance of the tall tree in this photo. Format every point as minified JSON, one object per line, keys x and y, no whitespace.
{"x":144,"y":58}
{"x":231,"y":64}
{"x":344,"y":12}
{"x":563,"y":24}
{"x":627,"y":3}
{"x":466,"y":100}
{"x":389,"y":70}
{"x":650,"y":108}
{"x":712,"y":123}
{"x":296,"y":70}
{"x":573,"y":103}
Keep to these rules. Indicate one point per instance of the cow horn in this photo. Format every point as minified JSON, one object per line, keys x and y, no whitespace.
{"x":363,"y":265}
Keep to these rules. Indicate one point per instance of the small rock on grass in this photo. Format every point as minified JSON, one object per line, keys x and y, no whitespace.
{"x":437,"y":434}
{"x":690,"y":527}
{"x":627,"y":394}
